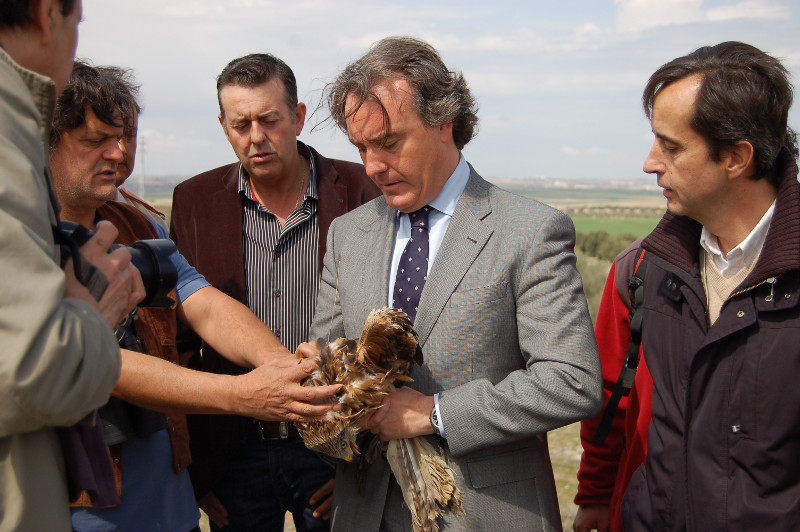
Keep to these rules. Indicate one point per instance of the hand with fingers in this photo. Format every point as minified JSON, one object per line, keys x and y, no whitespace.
{"x":124,"y":289}
{"x":324,"y":498}
{"x":214,"y":509}
{"x":404,"y":413}
{"x":591,"y":517}
{"x":273,"y":392}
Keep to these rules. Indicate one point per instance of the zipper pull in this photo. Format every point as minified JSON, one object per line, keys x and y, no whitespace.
{"x":771,"y":281}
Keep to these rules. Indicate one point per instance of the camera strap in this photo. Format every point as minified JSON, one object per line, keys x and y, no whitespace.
{"x":86,"y":273}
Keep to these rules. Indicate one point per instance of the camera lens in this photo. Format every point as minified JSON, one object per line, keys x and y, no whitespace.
{"x":151,"y":258}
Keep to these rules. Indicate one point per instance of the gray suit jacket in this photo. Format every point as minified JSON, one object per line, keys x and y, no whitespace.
{"x":508,"y":344}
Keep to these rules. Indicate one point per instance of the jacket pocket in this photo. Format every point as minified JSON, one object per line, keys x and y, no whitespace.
{"x":478,"y":296}
{"x":502,"y":468}
{"x":635,"y":503}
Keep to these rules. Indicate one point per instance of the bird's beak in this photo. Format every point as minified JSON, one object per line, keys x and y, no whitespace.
{"x":353,"y":451}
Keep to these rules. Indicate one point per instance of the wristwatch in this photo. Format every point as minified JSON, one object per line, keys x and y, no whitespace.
{"x":437,"y":427}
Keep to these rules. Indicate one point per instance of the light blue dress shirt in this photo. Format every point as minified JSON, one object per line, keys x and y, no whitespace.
{"x":438,"y":220}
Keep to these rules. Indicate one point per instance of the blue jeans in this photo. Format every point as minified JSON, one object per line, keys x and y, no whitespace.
{"x":265,"y":479}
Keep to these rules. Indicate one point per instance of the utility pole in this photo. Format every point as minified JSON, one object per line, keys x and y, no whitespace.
{"x":142,"y":149}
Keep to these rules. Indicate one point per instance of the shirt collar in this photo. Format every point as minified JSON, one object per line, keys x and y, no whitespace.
{"x":311,"y":190}
{"x":744,"y":253}
{"x":445,"y":202}
{"x":43,"y":92}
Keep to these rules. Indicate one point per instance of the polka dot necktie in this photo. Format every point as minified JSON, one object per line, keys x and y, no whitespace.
{"x":412,"y":271}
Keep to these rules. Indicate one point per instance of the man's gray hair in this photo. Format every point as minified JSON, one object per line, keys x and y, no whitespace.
{"x":440,"y":96}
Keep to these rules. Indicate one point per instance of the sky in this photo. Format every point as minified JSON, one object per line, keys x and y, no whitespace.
{"x":558,"y":83}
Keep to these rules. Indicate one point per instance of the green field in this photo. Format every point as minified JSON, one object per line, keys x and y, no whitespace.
{"x":614,"y":226}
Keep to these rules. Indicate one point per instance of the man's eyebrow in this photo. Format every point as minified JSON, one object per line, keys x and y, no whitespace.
{"x":380,"y":140}
{"x":666,"y":138}
{"x":265,"y":114}
{"x":102,"y":133}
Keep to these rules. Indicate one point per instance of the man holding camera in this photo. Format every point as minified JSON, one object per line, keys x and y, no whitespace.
{"x":60,"y":359}
{"x":85,"y":152}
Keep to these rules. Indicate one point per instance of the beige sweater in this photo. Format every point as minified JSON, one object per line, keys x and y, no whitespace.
{"x":718,"y":288}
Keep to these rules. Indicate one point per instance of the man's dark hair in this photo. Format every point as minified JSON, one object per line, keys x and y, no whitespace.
{"x":123,"y":80}
{"x":440,"y":96}
{"x":745,"y":95}
{"x":88,"y":87}
{"x":254,"y":70}
{"x":20,"y":13}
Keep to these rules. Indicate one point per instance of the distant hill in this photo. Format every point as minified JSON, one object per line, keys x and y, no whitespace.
{"x":562,"y":193}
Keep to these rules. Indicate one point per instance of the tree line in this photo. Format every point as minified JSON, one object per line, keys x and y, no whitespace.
{"x":596,"y":251}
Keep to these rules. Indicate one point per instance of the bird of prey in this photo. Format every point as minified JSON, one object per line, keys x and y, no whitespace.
{"x":370,"y":368}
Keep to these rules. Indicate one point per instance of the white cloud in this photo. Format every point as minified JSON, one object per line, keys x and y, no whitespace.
{"x":537,"y":80}
{"x":575,"y":152}
{"x":749,"y":9}
{"x":525,"y":41}
{"x":522,"y":40}
{"x":569,"y":150}
{"x":635,"y":16}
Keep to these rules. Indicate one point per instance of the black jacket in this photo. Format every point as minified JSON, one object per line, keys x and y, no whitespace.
{"x":724,"y":440}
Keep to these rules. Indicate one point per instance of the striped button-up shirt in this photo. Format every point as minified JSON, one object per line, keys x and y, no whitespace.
{"x":282,"y":263}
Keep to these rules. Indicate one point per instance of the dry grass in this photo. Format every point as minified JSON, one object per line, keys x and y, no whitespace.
{"x":565,"y":453}
{"x":287,"y":527}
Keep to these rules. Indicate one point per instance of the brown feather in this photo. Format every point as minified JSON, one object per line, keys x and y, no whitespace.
{"x":369,"y":368}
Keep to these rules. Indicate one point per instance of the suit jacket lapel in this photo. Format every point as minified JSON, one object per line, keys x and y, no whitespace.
{"x":225,"y":221}
{"x":466,"y":236}
{"x":376,"y":232}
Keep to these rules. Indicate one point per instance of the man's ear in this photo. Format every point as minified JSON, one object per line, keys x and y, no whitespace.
{"x":446,"y":131}
{"x":300,"y":118}
{"x":44,"y":18}
{"x":739,"y":159}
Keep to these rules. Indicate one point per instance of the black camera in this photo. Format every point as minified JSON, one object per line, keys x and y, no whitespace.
{"x":151,"y":258}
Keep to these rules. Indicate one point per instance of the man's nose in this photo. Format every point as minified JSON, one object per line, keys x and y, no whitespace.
{"x":257,"y":134}
{"x":373,"y":163}
{"x":123,"y":148}
{"x":115,"y":152}
{"x":653,"y":164}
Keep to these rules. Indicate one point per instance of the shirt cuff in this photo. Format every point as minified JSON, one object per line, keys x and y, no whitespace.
{"x":189,"y":287}
{"x":439,"y":415}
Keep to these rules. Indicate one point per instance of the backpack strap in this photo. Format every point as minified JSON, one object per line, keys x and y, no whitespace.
{"x":628,"y":374}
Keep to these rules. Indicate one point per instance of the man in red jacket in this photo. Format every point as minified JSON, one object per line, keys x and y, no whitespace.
{"x":606,"y":468}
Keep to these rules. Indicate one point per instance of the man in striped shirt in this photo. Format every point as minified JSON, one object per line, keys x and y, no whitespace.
{"x":256,"y":229}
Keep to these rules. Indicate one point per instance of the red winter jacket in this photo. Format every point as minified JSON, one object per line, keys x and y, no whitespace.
{"x":606,"y":470}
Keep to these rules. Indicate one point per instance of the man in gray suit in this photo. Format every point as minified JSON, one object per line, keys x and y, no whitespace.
{"x":502,"y":319}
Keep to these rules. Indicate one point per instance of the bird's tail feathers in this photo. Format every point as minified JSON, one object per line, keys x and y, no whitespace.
{"x":427,"y":482}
